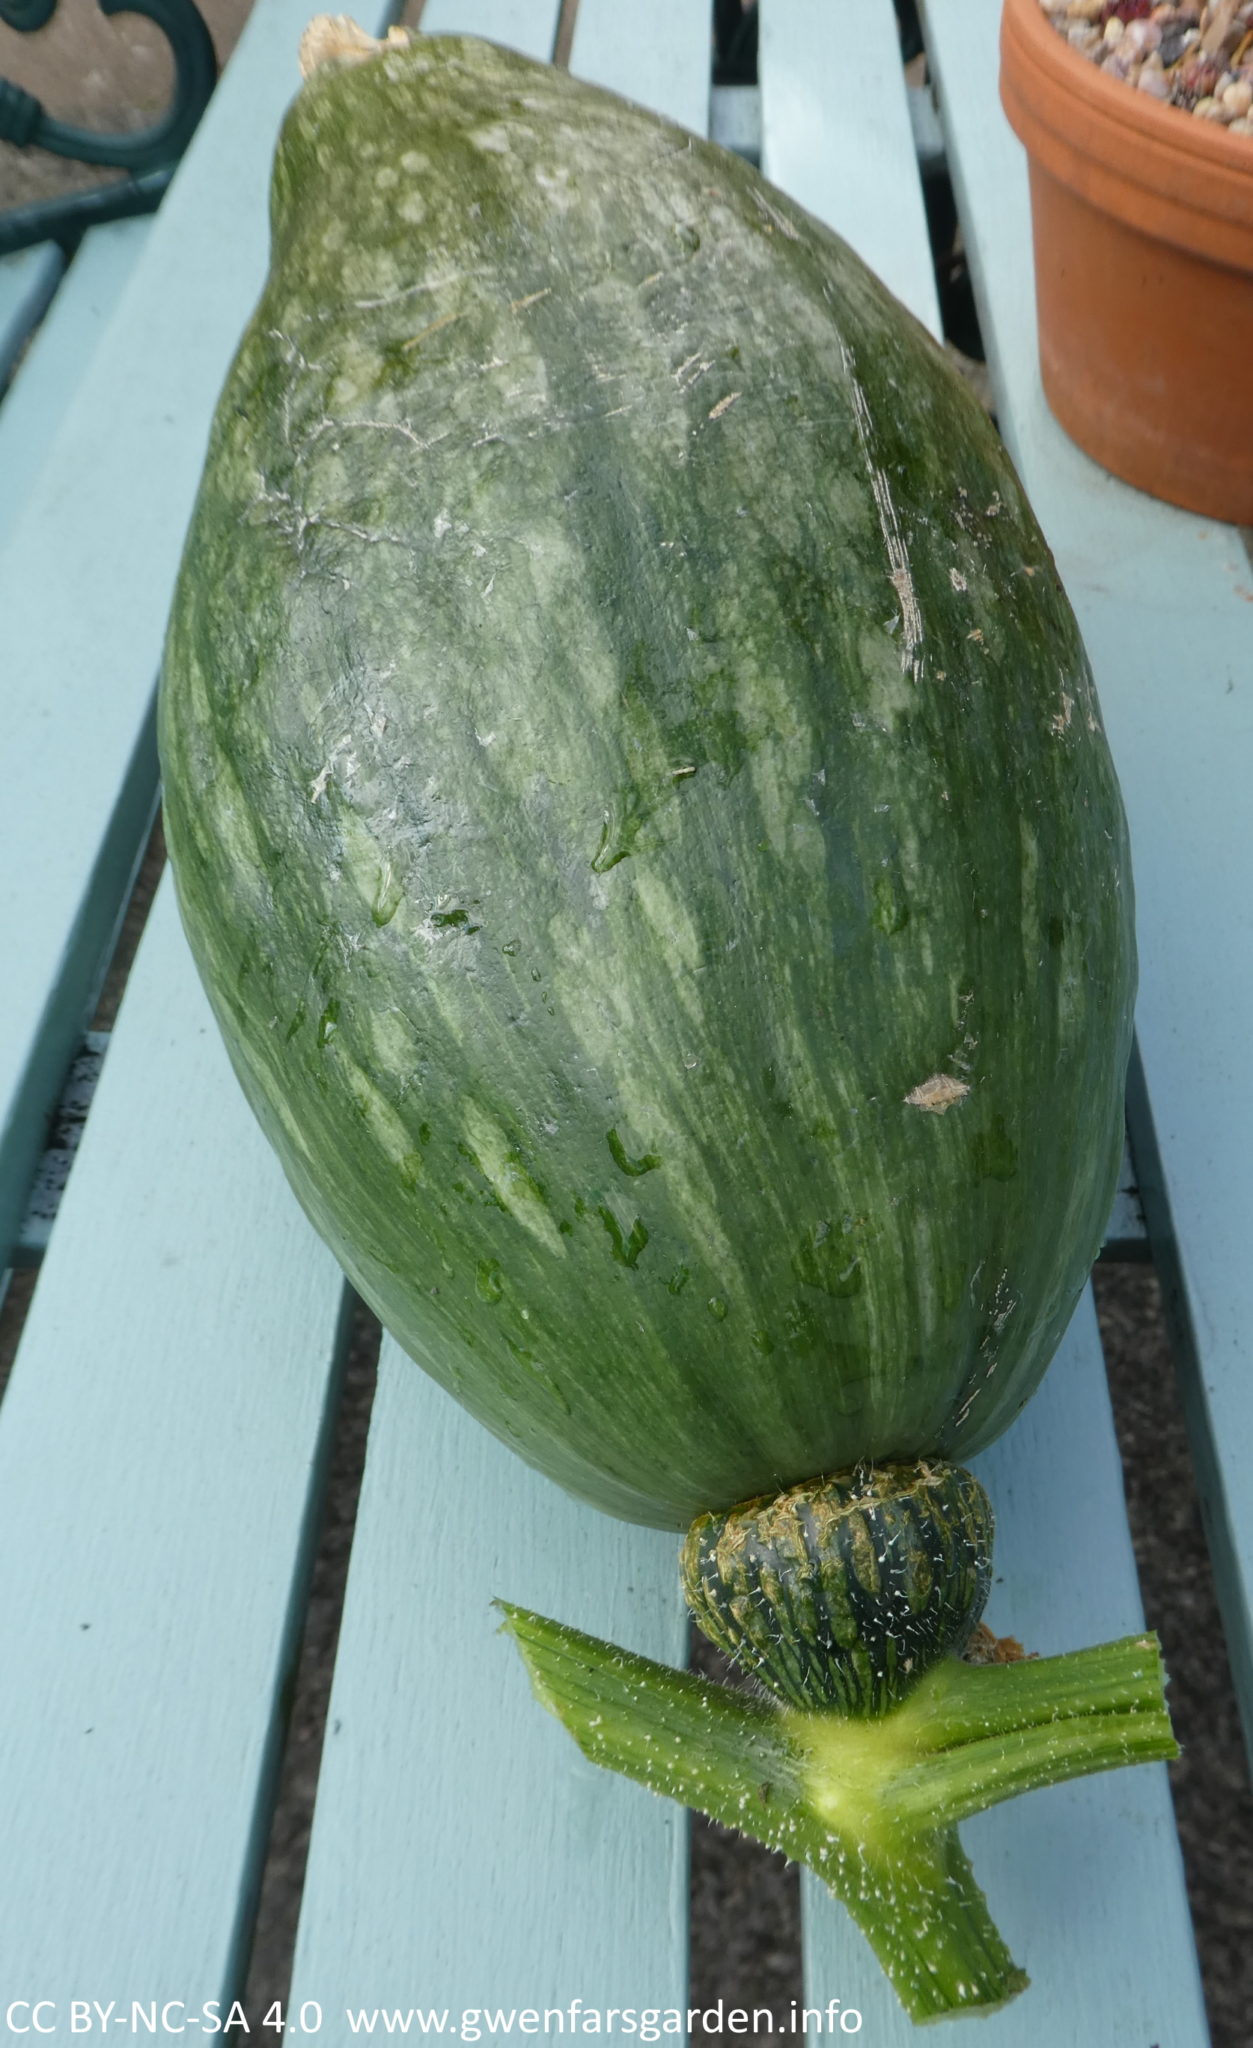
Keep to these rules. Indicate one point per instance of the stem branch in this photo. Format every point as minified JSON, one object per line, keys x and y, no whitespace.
{"x":870,"y":1804}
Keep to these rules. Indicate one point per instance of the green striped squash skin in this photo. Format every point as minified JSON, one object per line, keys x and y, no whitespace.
{"x":623,"y":737}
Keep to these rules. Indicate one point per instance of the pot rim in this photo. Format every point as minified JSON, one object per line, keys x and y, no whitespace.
{"x":1155,"y":167}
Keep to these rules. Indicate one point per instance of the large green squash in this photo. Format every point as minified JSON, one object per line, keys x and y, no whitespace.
{"x":638,"y":802}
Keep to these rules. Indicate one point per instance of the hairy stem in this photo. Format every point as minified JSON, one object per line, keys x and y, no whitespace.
{"x":872,"y":1804}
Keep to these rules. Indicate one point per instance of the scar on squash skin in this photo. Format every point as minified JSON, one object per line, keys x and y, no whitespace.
{"x":723,"y":404}
{"x":780,"y":220}
{"x":938,"y":1093}
{"x":899,"y":573}
{"x":680,"y":375}
{"x":433,"y":328}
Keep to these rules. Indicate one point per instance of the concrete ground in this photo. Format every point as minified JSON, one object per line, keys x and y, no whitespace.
{"x":93,"y":72}
{"x":744,"y":1902}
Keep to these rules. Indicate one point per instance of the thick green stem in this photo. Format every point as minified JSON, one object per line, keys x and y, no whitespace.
{"x":870,"y":1804}
{"x":927,"y":1921}
{"x":970,"y":1736}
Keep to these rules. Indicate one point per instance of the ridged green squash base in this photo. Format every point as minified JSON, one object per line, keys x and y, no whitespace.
{"x":638,"y":802}
{"x":839,"y":1594}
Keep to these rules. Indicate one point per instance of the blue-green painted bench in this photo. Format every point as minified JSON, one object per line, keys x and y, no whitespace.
{"x":164,"y":1434}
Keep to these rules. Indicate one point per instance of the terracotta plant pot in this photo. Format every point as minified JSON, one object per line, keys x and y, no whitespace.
{"x":1143,"y":226}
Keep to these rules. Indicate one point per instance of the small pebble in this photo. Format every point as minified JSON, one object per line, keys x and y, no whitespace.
{"x":1195,"y":79}
{"x":1139,"y":38}
{"x":1197,"y":57}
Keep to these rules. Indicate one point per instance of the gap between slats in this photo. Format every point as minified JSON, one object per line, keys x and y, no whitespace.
{"x":17,"y":1288}
{"x":282,"y":1876}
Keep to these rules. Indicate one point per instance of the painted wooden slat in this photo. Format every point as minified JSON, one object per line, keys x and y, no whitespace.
{"x":529,"y":26}
{"x":57,"y":357}
{"x":837,"y":136}
{"x":81,"y":650}
{"x":464,"y":1853}
{"x":1084,"y":1880}
{"x":449,"y":1803}
{"x":161,"y":1440}
{"x":27,"y":280}
{"x":1165,"y":602}
{"x":655,"y":53}
{"x":735,"y":120}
